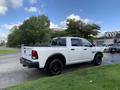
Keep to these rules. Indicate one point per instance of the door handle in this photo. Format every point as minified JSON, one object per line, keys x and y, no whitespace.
{"x":72,"y":49}
{"x":85,"y":49}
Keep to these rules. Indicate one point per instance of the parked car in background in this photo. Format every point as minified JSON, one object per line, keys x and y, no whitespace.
{"x":103,"y":47}
{"x":63,"y":51}
{"x":115,"y":48}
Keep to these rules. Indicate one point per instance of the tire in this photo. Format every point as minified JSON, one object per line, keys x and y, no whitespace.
{"x":118,"y":50}
{"x":113,"y":50}
{"x":97,"y":59}
{"x":54,"y":67}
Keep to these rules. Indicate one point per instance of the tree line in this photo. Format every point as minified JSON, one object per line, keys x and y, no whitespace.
{"x":36,"y":31}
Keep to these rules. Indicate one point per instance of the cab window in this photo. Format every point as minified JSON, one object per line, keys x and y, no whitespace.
{"x":76,"y":42}
{"x":86,"y":43}
{"x":59,"y":42}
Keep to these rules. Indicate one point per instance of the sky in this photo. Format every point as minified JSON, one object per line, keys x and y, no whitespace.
{"x":102,"y":12}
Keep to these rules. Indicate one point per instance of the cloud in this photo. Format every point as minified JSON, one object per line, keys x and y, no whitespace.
{"x":62,"y":25}
{"x":6,"y":4}
{"x":3,"y":7}
{"x":4,"y":35}
{"x":15,"y":3}
{"x":5,"y":29}
{"x":77,"y":18}
{"x":41,"y":10}
{"x":33,"y":1}
{"x":10,"y":26}
{"x":52,"y":25}
{"x":31,"y":9}
{"x":86,"y":20}
{"x":73,"y":16}
{"x":2,"y":2}
{"x":3,"y":10}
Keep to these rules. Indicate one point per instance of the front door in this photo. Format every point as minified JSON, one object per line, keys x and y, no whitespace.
{"x":80,"y":51}
{"x":76,"y":51}
{"x":88,"y":50}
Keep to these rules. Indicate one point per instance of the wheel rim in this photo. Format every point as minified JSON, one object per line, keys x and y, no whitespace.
{"x":99,"y":60}
{"x":56,"y":68}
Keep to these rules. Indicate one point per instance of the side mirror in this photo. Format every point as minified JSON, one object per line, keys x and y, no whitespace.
{"x":92,"y":45}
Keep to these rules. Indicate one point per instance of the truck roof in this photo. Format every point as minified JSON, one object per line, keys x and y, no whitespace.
{"x":66,"y":37}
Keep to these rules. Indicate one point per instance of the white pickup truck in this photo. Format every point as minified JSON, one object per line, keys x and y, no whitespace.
{"x":62,"y":51}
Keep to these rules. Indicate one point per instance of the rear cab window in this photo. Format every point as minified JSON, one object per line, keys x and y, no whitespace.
{"x":59,"y":42}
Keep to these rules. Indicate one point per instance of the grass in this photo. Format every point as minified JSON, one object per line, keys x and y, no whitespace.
{"x":95,"y":78}
{"x":2,"y":52}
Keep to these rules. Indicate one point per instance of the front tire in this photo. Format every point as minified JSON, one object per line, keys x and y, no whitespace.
{"x":97,"y":59}
{"x":54,"y":67}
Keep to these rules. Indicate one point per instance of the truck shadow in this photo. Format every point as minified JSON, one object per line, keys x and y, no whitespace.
{"x":107,"y":59}
{"x":74,"y":67}
{"x":69,"y":68}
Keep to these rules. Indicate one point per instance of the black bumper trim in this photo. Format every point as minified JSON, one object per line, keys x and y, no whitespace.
{"x":28,"y":63}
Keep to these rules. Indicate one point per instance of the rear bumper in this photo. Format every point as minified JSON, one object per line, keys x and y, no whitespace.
{"x":28,"y":63}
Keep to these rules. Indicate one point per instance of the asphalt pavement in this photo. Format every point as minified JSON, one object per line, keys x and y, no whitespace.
{"x":12,"y":72}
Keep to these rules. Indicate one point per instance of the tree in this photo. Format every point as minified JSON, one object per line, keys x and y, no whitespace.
{"x":81,"y":29}
{"x":73,"y":27}
{"x":14,"y":38}
{"x":58,"y":34}
{"x":33,"y":31}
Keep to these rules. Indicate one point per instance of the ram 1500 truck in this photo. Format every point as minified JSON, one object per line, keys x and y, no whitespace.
{"x":61,"y":52}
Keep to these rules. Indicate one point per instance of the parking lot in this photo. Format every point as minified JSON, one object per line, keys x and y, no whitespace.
{"x":12,"y":72}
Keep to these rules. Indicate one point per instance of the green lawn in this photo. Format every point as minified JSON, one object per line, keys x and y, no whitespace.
{"x":8,"y":51}
{"x":95,"y":78}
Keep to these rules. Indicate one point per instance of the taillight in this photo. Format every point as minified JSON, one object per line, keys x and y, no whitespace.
{"x":34,"y":54}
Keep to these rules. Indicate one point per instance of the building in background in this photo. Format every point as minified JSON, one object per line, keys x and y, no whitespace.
{"x":108,"y":38}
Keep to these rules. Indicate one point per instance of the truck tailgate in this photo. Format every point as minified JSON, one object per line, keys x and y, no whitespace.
{"x":26,"y":53}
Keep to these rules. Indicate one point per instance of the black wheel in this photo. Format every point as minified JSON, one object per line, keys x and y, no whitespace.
{"x":113,"y":50}
{"x":97,"y":59}
{"x":54,"y":67}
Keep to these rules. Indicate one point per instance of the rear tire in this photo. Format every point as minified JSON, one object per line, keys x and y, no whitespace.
{"x":97,"y":59}
{"x":54,"y":67}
